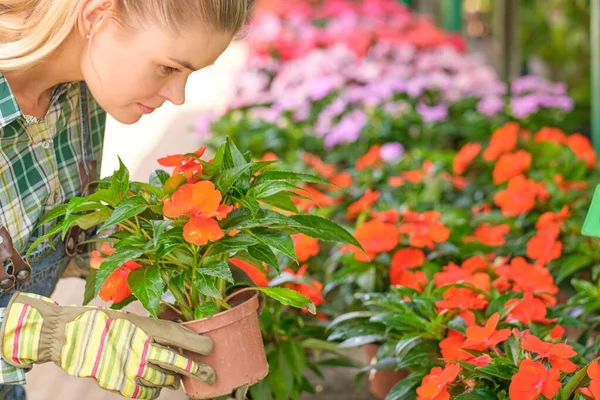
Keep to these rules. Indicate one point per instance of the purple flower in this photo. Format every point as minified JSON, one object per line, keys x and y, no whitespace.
{"x":348,"y":129}
{"x":267,"y":114}
{"x":523,"y":106}
{"x":490,"y":106}
{"x":391,"y":151}
{"x":203,"y":123}
{"x":432,"y":113}
{"x":564,"y":103}
{"x":320,"y":88}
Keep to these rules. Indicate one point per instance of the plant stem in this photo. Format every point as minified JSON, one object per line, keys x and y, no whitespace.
{"x":171,"y":306}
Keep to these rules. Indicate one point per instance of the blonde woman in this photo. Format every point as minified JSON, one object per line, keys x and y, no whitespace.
{"x":64,"y":64}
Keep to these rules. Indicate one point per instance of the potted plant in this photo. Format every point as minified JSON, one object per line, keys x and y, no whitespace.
{"x":178,"y":234}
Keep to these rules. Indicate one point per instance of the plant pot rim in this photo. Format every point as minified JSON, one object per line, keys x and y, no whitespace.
{"x":244,"y":304}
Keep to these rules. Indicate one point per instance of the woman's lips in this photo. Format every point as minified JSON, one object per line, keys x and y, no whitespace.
{"x":145,"y":109}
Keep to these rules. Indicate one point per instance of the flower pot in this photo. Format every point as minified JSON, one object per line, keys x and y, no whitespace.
{"x":238,"y":357}
{"x":381,"y":381}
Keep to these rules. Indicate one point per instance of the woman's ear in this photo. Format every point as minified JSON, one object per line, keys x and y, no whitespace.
{"x":92,"y":13}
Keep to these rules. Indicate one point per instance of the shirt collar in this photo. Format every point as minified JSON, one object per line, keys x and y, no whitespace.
{"x":9,"y":109}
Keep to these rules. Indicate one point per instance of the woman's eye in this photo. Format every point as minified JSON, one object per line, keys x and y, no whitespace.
{"x":169,"y":70}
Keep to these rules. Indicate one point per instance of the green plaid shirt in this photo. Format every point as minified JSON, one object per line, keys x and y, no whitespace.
{"x":39,"y":158}
{"x":39,"y":167}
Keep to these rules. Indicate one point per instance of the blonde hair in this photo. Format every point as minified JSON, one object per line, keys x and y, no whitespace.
{"x":48,"y":23}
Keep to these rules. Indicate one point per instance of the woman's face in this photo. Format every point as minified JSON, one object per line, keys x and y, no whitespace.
{"x":131,"y":72}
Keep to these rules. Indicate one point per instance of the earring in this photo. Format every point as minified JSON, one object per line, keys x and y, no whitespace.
{"x":87,"y":36}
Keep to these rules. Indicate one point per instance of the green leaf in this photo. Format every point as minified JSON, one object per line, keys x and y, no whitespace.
{"x":250,"y":203}
{"x":158,"y":227}
{"x":54,"y":213}
{"x":497,"y":305}
{"x":407,"y":343}
{"x":478,"y":394}
{"x":281,"y":376}
{"x":92,"y":219}
{"x":219,"y":156}
{"x":90,"y":284}
{"x":103,"y":196}
{"x":358,"y":341}
{"x":294,"y":355}
{"x":120,"y":257}
{"x":54,"y":231}
{"x":232,"y":157}
{"x":130,"y":207}
{"x":350,"y":316}
{"x":502,"y":371}
{"x":338,"y":362}
{"x":261,"y":390}
{"x":323,"y":229}
{"x":264,"y":253}
{"x":267,"y":189}
{"x":205,"y":310}
{"x":158,"y":177}
{"x":122,"y":304}
{"x":405,"y":389}
{"x":571,"y":264}
{"x":233,"y":244}
{"x":289,"y":176}
{"x":282,"y":201}
{"x":119,"y":182}
{"x":219,"y":269}
{"x":224,"y":180}
{"x":289,"y":297}
{"x":148,"y":287}
{"x":207,"y":286}
{"x":276,"y":239}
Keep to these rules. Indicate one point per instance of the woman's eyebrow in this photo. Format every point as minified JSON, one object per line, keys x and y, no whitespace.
{"x":184,"y":64}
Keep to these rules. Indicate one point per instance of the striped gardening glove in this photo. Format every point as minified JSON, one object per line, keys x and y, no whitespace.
{"x":125,"y":353}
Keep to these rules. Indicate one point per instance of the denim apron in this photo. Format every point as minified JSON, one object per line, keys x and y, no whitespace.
{"x":48,"y":264}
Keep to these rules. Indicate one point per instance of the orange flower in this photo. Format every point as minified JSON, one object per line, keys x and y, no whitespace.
{"x":482,"y":338}
{"x":489,"y":235}
{"x":529,"y":278}
{"x":451,"y":350}
{"x":343,"y":180}
{"x":96,"y":257}
{"x":408,"y":258}
{"x":503,"y":140}
{"x":305,"y":246}
{"x":392,"y":216}
{"x":459,"y":182}
{"x":550,"y":134}
{"x":452,"y":274}
{"x":188,"y":166}
{"x":199,"y":198}
{"x":400,"y":273}
{"x":115,"y":288}
{"x":424,"y":229}
{"x":532,"y":380}
{"x":370,"y":159}
{"x":325,"y":170}
{"x":510,"y":165}
{"x":314,"y":199}
{"x":407,"y":278}
{"x":270,"y":156}
{"x":527,"y":310}
{"x":581,"y":146}
{"x":311,"y":291}
{"x":256,"y":275}
{"x":549,"y":218}
{"x":366,"y":201}
{"x":519,"y":197}
{"x":485,"y":208}
{"x":572,"y":185}
{"x":463,"y":158}
{"x":593,"y":372}
{"x":435,"y":385}
{"x":461,"y":299}
{"x":200,"y":230}
{"x":545,"y":246}
{"x":557,"y":354}
{"x":375,"y":237}
{"x":557,"y":332}
{"x":413,"y":175}
{"x":475,"y":263}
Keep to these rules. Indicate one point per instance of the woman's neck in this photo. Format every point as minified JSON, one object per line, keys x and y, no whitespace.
{"x":32,"y":87}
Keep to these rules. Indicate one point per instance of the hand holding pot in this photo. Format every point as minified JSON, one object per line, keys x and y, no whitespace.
{"x":125,"y":353}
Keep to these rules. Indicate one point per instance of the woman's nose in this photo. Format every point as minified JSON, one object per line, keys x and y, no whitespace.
{"x":175,"y":93}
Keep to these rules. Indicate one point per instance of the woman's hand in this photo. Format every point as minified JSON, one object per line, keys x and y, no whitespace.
{"x":129,"y":354}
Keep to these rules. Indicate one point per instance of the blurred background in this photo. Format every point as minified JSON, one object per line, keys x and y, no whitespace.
{"x":546,"y":38}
